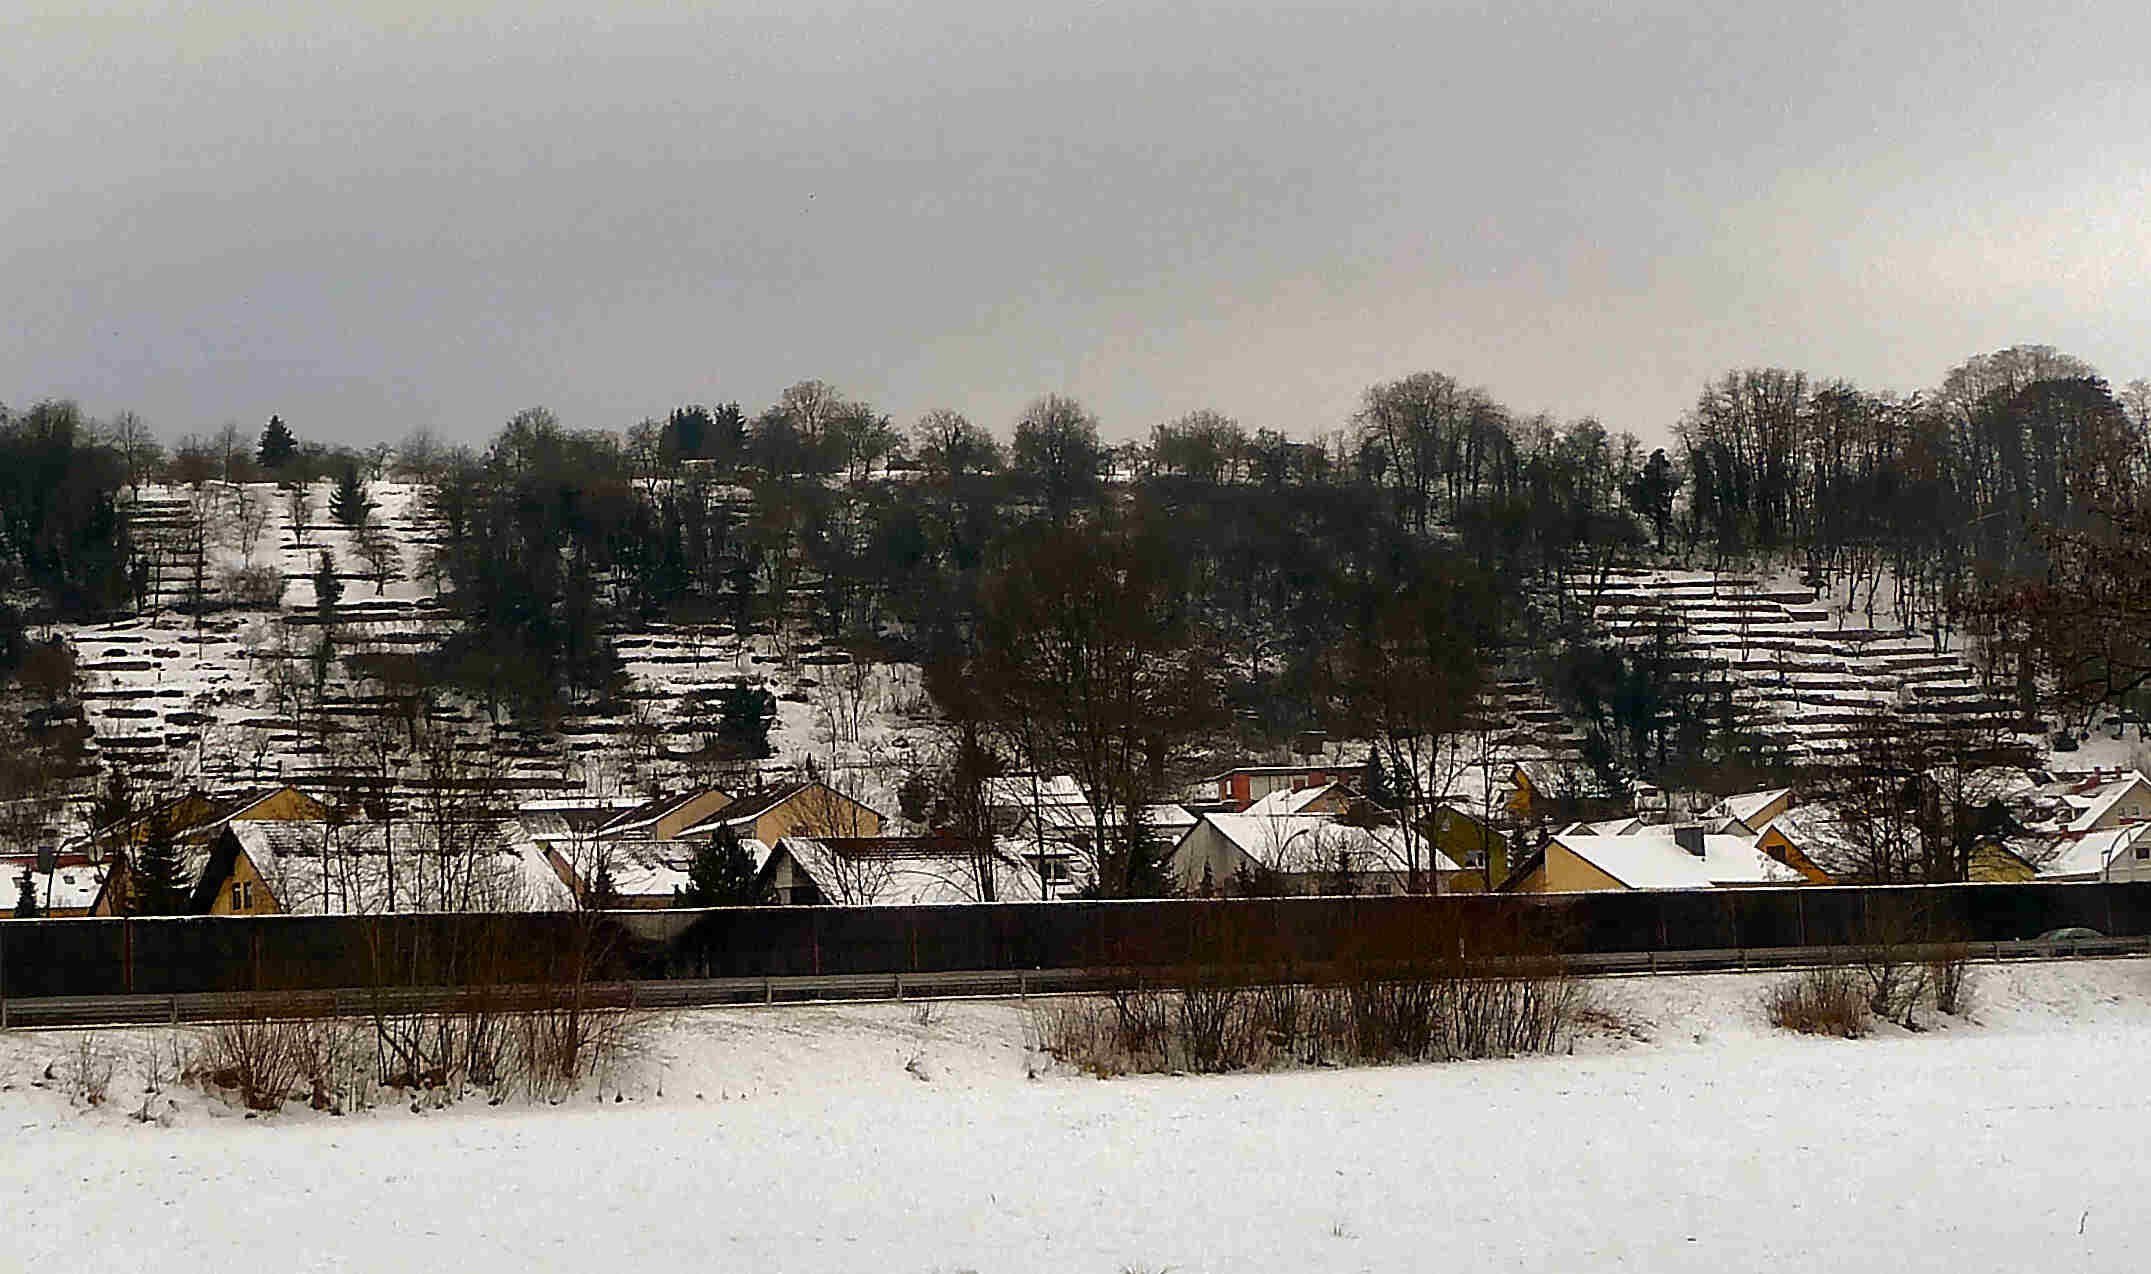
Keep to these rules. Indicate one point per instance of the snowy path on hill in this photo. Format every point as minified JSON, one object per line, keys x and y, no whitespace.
{"x":795,"y":1140}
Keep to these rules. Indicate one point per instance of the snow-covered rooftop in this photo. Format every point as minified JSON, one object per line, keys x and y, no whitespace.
{"x":1649,"y":860}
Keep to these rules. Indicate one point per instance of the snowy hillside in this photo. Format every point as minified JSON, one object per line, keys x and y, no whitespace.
{"x":1807,"y":668}
{"x":226,"y":700}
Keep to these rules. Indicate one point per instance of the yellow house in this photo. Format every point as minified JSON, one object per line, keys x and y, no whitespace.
{"x":1777,"y":844}
{"x":1656,"y":858}
{"x":809,"y":808}
{"x":194,"y":817}
{"x":231,"y":884}
{"x":221,"y":877}
{"x":1993,"y":864}
{"x":1470,"y":839}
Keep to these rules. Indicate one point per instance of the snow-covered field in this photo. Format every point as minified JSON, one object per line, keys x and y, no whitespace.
{"x":858,"y":1138}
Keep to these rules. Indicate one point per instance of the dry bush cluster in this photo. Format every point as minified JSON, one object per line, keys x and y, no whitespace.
{"x":89,"y":1071}
{"x":541,"y":1052}
{"x":1825,"y":1001}
{"x":1203,"y":1022}
{"x":1887,"y":983}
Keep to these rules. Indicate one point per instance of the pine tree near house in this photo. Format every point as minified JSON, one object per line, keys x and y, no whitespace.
{"x":26,"y":907}
{"x":278,"y":445}
{"x":350,"y":504}
{"x":1374,"y":782}
{"x":604,"y":892}
{"x":156,"y":876}
{"x":721,"y":874}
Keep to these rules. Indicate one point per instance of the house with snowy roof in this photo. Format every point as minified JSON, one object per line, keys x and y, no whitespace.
{"x":1661,"y":857}
{"x":808,"y":807}
{"x":2110,"y":854}
{"x":2091,"y":801}
{"x":275,"y":867}
{"x":64,"y":885}
{"x":1227,"y":855}
{"x":644,"y":875}
{"x":663,"y":818}
{"x":892,"y":871}
{"x":1243,"y":785}
{"x":198,"y":816}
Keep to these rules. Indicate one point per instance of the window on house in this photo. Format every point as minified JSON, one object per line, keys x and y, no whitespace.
{"x":2143,"y":852}
{"x":238,"y":892}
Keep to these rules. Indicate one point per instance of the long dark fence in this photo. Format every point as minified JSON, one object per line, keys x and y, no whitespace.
{"x":287,"y":953}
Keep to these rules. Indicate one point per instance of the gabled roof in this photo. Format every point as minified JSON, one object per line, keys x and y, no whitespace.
{"x":367,"y":868}
{"x":2086,"y":854}
{"x":1806,"y":826}
{"x":1651,"y":860}
{"x":894,"y":871}
{"x":2091,"y":799}
{"x":653,"y":869}
{"x":1169,"y":817}
{"x":752,"y":806}
{"x":1057,"y":799}
{"x":1746,"y":805}
{"x":646,"y":815}
{"x":1311,"y":842}
{"x":1289,"y":800}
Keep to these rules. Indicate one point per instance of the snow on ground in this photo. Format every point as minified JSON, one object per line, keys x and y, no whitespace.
{"x":1690,"y":1137}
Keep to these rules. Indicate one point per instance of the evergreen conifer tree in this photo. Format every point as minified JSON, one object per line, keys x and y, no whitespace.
{"x":349,"y":503}
{"x":743,"y":714}
{"x":1374,"y":782}
{"x":278,"y":445}
{"x":721,"y":874}
{"x":26,"y":898}
{"x":915,"y":798}
{"x":156,"y":878}
{"x":328,"y":590}
{"x":604,"y":891}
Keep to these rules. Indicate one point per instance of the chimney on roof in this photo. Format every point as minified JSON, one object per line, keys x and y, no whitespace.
{"x":1689,"y":836}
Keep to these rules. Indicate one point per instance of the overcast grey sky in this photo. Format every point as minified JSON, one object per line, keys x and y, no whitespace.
{"x":438,"y":213}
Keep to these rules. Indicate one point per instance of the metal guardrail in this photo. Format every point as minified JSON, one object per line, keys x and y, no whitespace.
{"x":359,"y":1002}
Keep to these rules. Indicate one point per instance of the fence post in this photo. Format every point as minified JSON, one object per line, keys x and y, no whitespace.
{"x":3,"y":978}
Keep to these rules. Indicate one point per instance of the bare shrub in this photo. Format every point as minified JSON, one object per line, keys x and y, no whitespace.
{"x":559,"y":1047}
{"x":1142,"y":1023}
{"x":1894,"y":980}
{"x":1826,"y":1001}
{"x":89,"y":1071}
{"x":1507,"y":1014}
{"x":1076,"y":1033}
{"x":331,"y":1061}
{"x":259,"y":1059}
{"x":1212,"y":1026}
{"x":1287,"y":1019}
{"x":1950,"y":977}
{"x":1394,"y":1019}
